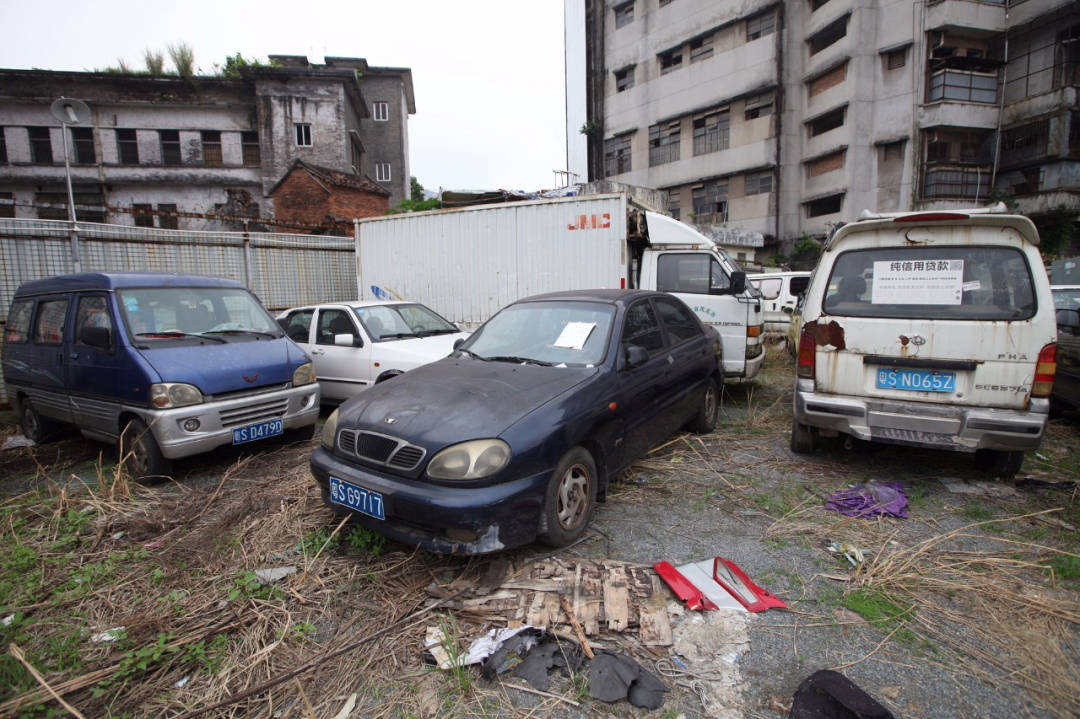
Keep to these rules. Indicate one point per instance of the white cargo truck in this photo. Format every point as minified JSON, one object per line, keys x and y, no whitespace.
{"x":468,"y":263}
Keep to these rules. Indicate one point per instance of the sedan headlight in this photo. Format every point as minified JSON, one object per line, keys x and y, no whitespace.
{"x":329,"y":431}
{"x":304,"y":374}
{"x":470,"y":460}
{"x":165,"y":395}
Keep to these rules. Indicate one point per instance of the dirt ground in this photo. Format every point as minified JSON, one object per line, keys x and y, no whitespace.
{"x":138,"y":601}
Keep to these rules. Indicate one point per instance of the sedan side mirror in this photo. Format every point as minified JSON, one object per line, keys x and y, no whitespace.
{"x":635,"y":356}
{"x":1069,"y":319}
{"x":458,"y":342}
{"x":347,"y":340}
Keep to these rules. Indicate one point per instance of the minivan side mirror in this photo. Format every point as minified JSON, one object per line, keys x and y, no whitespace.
{"x":635,"y":356}
{"x":798,"y":285}
{"x":738,"y":283}
{"x":99,"y":337}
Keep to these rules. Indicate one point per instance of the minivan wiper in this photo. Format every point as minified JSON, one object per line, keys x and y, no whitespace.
{"x":237,"y":332}
{"x":176,"y":333}
{"x":522,"y":360}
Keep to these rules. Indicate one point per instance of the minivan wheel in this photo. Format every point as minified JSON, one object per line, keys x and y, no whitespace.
{"x":708,"y":409}
{"x":569,"y":500}
{"x":34,"y":426}
{"x":999,"y":463}
{"x":139,"y":453}
{"x":802,"y":438}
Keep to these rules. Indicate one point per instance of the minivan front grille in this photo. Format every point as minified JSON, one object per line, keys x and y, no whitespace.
{"x":254,"y":412}
{"x":380,"y":449}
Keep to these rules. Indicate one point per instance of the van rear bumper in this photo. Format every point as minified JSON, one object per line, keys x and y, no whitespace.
{"x":296,"y":406}
{"x":924,"y":424}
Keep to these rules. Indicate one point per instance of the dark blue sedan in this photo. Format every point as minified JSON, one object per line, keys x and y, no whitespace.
{"x":515,"y":435}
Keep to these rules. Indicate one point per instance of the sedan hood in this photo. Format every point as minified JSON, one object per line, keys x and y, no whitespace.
{"x":216,"y":368}
{"x":408,"y":353}
{"x":454,"y":400}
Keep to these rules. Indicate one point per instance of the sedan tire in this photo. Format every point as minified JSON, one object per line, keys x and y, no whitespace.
{"x":570,"y":497}
{"x":708,"y":409}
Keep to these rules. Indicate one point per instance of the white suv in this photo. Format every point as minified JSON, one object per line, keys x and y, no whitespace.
{"x":931,"y":329}
{"x":354,"y":345}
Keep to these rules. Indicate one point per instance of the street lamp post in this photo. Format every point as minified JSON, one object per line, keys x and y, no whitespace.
{"x":70,"y":112}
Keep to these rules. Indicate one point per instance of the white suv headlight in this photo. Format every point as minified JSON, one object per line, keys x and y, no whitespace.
{"x":166,"y":395}
{"x":304,"y":374}
{"x":470,"y":460}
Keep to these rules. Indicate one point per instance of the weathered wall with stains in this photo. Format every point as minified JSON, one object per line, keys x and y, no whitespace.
{"x":300,"y":198}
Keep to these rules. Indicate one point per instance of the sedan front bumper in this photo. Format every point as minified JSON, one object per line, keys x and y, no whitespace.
{"x":437,"y":518}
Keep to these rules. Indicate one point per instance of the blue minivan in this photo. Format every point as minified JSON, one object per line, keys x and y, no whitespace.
{"x":162,"y":365}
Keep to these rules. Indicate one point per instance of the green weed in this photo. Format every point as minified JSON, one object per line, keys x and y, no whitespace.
{"x":976,"y":512}
{"x":314,"y":541}
{"x":876,"y":607}
{"x":460,"y":676}
{"x":363,"y":539}
{"x":246,"y":584}
{"x":1066,"y":567}
{"x":207,"y":655}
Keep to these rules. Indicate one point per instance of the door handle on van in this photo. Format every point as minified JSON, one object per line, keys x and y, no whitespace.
{"x":318,"y":352}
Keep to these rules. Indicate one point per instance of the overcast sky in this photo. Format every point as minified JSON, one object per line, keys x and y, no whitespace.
{"x":487,"y":74}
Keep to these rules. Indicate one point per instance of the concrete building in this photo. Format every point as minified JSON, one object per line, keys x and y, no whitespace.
{"x":199,"y":145}
{"x":786,"y":117}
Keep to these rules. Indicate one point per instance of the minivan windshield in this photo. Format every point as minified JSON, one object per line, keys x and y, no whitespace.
{"x":545,"y":333}
{"x":961,"y":283}
{"x":161,"y":314}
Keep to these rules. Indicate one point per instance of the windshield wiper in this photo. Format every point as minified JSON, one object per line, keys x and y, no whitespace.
{"x":428,"y":333}
{"x":522,"y":360}
{"x":176,"y":333}
{"x":237,"y":332}
{"x":397,"y":335}
{"x":471,"y":354}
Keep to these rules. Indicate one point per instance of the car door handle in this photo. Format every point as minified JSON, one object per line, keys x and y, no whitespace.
{"x":74,"y":355}
{"x":318,"y":352}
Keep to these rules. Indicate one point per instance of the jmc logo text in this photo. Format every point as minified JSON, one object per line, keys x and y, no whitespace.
{"x":591,"y":222}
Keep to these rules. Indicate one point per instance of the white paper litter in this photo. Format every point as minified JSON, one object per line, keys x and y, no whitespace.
{"x":109,"y":635}
{"x":269,"y":576}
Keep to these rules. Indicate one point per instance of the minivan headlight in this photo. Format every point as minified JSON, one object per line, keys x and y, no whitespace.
{"x":329,"y":431}
{"x":304,"y":374}
{"x":470,"y":460}
{"x":165,"y":395}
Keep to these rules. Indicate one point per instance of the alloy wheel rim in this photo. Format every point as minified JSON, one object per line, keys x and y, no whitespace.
{"x":710,"y":403}
{"x":573,"y":496}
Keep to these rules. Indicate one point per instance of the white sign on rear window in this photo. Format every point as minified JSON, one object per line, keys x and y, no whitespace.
{"x":575,"y":334}
{"x":918,"y":282}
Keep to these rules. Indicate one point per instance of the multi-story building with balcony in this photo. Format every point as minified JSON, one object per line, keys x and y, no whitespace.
{"x":786,"y":117}
{"x":168,"y":151}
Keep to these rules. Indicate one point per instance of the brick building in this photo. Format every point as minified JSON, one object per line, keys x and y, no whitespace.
{"x":313,"y":195}
{"x":201,"y":145}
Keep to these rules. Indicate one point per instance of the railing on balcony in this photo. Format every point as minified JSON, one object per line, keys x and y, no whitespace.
{"x":967,"y":181}
{"x":962,"y":86}
{"x":1025,"y":143}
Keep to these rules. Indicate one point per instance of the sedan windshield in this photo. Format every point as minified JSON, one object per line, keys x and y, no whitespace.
{"x":396,"y":322}
{"x":1067,"y":298}
{"x":161,"y":314}
{"x":547,"y":333}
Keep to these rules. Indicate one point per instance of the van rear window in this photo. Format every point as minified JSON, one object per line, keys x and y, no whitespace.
{"x":962,"y":283}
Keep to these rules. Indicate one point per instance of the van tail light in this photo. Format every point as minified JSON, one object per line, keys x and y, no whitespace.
{"x":804,"y":367}
{"x":753,"y":330}
{"x":1044,"y":371}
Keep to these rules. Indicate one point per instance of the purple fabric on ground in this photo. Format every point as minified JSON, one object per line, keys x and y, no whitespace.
{"x":870,"y":500}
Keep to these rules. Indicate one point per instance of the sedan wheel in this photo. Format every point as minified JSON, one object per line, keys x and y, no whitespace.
{"x":708,"y":409}
{"x":570,"y":496}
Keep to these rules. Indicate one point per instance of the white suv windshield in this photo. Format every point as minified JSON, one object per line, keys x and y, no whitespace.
{"x":169,"y":313}
{"x":962,"y":283}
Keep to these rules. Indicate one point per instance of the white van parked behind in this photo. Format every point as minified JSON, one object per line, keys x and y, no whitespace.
{"x":779,"y":297}
{"x":929,"y":329}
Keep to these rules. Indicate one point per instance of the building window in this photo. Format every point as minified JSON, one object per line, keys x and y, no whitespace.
{"x":82,"y":139}
{"x":826,"y":164}
{"x":816,"y":5}
{"x":711,"y":132}
{"x":670,"y":60}
{"x":825,"y":206}
{"x":761,"y":25}
{"x":758,"y":106}
{"x":758,"y":183}
{"x":664,"y":143}
{"x":962,"y":86}
{"x":896,"y":59}
{"x":143,"y":215}
{"x":624,"y":79}
{"x":1067,"y":57}
{"x":664,"y":2}
{"x":701,"y":49}
{"x":7,"y":207}
{"x":249,"y":144}
{"x":380,"y":111}
{"x":710,"y":202}
{"x":829,"y":80}
{"x":356,"y":154}
{"x":624,"y":14}
{"x":617,"y":155}
{"x":3,"y":146}
{"x":673,"y":201}
{"x":382,"y":171}
{"x":829,"y":121}
{"x":957,"y":163}
{"x":170,"y":147}
{"x":127,"y":147}
{"x":40,"y":146}
{"x":893,"y":151}
{"x":831,"y":33}
{"x":1025,"y":143}
{"x":303,"y":134}
{"x":169,"y":220}
{"x":211,"y":148}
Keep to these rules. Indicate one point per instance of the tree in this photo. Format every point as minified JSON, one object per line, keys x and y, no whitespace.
{"x":416,"y":190}
{"x":234,"y":64}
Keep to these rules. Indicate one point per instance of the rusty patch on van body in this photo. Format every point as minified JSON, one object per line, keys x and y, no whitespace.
{"x":830,"y":334}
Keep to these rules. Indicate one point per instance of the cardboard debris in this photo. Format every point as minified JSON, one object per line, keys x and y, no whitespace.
{"x":603,"y":596}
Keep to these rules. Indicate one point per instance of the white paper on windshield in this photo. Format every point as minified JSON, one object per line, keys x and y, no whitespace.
{"x":575,"y":334}
{"x":918,"y":282}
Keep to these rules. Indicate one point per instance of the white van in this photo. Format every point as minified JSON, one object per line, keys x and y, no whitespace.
{"x":779,"y":296}
{"x":931,"y":329}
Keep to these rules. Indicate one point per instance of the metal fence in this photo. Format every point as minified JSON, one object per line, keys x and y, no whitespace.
{"x":284,"y":270}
